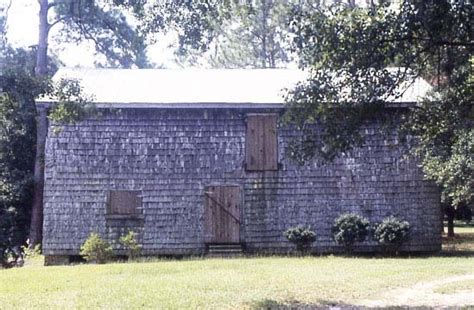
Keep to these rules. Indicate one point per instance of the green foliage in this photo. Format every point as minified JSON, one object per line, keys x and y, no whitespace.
{"x":16,"y":158}
{"x":108,"y":27}
{"x":443,"y":125}
{"x":96,"y":250}
{"x":254,"y":36}
{"x":350,"y":228}
{"x":454,"y":173}
{"x":301,"y":236}
{"x":130,"y":243}
{"x":194,"y":22}
{"x":347,"y":51}
{"x":72,"y":105}
{"x":392,"y":232}
{"x":18,"y":87}
{"x":31,"y":252}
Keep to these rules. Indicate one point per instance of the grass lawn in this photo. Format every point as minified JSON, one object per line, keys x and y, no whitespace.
{"x":219,"y":283}
{"x":225,"y":283}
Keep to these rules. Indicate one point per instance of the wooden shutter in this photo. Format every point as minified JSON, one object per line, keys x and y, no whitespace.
{"x":123,"y":202}
{"x":222,"y":214}
{"x":261,"y":142}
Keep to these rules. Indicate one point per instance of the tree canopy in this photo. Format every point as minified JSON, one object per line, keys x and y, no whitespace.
{"x":349,"y":51}
{"x":107,"y":27}
{"x":18,"y":88}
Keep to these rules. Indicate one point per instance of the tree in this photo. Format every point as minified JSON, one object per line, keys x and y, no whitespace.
{"x":253,"y":35}
{"x":98,"y":21}
{"x":347,"y":51}
{"x":18,"y":88}
{"x":108,"y":28}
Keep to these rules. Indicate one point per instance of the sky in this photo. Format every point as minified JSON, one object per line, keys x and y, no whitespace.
{"x":22,"y":31}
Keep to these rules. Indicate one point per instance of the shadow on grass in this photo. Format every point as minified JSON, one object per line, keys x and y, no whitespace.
{"x":270,"y":304}
{"x":461,"y":244}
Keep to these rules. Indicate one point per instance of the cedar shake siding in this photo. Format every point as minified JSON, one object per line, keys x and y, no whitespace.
{"x":185,"y":177}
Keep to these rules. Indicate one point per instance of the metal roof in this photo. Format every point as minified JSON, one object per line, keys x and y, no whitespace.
{"x":195,"y":87}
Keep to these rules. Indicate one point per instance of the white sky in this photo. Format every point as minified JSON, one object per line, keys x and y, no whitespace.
{"x":23,"y":32}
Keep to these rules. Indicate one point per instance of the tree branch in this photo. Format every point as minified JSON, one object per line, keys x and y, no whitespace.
{"x":7,"y":9}
{"x":57,"y":21}
{"x":52,"y":4}
{"x":436,"y":43}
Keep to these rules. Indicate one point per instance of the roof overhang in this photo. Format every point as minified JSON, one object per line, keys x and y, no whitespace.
{"x":184,"y":105}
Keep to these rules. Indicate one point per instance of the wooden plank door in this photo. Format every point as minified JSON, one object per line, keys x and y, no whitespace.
{"x":222,"y":214}
{"x":261,"y":147}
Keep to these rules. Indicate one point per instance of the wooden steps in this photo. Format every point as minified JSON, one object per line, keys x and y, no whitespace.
{"x":225,"y":250}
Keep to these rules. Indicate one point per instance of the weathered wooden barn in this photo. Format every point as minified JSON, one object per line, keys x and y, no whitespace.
{"x":193,"y":158}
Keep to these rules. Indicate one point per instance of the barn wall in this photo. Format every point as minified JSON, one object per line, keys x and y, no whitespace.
{"x":172,"y":155}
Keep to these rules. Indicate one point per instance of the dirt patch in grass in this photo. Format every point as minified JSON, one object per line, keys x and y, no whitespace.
{"x":457,"y":287}
{"x":428,"y":294}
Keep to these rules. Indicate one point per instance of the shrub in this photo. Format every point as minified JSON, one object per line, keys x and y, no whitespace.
{"x":96,"y":250}
{"x":350,"y":228}
{"x":130,"y":243}
{"x":301,"y":236}
{"x":391,"y":233}
{"x":29,"y":253}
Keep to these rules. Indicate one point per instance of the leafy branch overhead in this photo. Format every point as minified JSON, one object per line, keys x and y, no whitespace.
{"x":71,"y":105}
{"x":362,"y":60}
{"x":107,"y":27}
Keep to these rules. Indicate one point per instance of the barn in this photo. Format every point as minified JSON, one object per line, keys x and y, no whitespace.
{"x":195,"y":161}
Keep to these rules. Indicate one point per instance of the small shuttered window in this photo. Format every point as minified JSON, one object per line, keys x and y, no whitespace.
{"x":123,"y":202}
{"x":261,"y":142}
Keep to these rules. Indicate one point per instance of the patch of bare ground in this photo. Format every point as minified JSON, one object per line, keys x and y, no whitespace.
{"x":424,"y":295}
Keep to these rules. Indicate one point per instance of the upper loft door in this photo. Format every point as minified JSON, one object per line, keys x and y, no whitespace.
{"x":222,"y":214}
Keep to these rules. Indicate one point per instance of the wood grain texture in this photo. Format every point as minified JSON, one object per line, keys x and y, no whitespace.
{"x":123,"y":202}
{"x":171,"y":156}
{"x":262,"y":142}
{"x":222,"y":214}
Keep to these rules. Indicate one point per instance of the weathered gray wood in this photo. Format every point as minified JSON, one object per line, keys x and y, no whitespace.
{"x":222,"y":214}
{"x":172,"y":156}
{"x":270,"y":142}
{"x":123,"y":202}
{"x":261,"y":142}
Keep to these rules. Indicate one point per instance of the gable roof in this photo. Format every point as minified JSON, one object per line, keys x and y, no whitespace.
{"x":195,"y":87}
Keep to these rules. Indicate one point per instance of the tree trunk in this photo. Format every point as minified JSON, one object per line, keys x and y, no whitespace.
{"x":36,"y":226}
{"x":264,"y":33}
{"x":41,"y":69}
{"x":451,"y":226}
{"x":450,"y":213}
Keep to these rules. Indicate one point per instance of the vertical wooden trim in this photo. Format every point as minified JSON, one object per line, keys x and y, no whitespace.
{"x":261,"y":142}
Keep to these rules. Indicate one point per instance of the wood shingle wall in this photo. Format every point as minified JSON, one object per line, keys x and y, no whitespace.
{"x":169,"y":157}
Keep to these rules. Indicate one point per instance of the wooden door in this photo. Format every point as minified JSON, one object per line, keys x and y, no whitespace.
{"x":222,"y":214}
{"x":261,"y":147}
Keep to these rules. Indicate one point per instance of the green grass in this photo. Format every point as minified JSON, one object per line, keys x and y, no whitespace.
{"x":266,"y":282}
{"x":456,"y":287}
{"x":219,"y":283}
